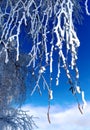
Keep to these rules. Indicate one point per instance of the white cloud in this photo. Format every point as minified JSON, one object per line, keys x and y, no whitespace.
{"x":61,"y":119}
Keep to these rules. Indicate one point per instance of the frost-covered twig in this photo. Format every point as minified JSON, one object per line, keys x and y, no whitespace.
{"x":16,"y":120}
{"x":86,"y":7}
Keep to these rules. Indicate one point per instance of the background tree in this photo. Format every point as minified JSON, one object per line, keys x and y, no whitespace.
{"x":46,"y":27}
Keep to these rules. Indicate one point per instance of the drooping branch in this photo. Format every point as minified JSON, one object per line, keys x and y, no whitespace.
{"x":50,"y":26}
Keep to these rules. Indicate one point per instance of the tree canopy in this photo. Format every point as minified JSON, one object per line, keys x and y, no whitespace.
{"x":35,"y":35}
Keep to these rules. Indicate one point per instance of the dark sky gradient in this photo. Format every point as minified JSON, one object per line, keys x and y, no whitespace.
{"x":84,"y":55}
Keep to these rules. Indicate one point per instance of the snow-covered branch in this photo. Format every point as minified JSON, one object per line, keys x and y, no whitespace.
{"x":49,"y":27}
{"x":16,"y":119}
{"x":86,"y":7}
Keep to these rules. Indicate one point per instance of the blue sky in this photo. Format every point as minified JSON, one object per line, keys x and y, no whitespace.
{"x":64,"y":105}
{"x":84,"y":55}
